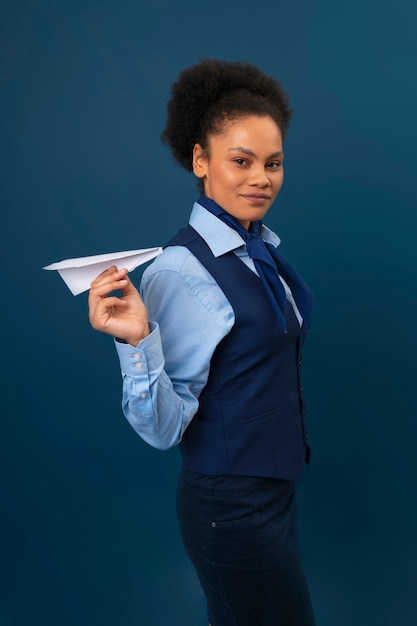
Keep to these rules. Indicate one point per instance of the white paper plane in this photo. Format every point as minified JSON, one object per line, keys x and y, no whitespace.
{"x":78,"y":274}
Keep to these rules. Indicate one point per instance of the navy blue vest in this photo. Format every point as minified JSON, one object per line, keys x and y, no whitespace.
{"x":250,"y":419}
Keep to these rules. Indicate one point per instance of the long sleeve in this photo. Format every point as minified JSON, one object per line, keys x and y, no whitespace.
{"x":165,"y":374}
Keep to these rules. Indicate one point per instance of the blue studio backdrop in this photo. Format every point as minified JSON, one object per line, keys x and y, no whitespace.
{"x":88,"y":532}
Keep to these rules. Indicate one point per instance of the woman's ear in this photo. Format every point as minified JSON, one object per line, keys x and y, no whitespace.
{"x":199,"y":161}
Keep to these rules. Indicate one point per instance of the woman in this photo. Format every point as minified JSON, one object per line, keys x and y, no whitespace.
{"x":211,"y":352}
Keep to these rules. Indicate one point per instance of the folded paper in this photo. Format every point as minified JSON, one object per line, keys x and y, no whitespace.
{"x":78,"y":274}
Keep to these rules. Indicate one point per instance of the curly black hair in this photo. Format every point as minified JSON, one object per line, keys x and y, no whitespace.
{"x":213,"y":92}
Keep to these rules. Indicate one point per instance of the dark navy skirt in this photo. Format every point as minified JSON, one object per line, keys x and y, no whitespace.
{"x":240,"y":533}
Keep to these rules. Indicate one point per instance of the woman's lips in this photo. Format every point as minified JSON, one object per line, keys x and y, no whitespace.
{"x":256,"y":197}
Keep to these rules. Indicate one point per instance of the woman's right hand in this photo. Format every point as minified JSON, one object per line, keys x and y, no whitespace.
{"x":125,"y":318}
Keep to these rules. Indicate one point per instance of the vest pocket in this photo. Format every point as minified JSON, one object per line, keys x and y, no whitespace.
{"x":260,"y":416}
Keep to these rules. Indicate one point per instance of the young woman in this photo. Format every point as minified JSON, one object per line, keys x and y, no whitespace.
{"x":210,"y":351}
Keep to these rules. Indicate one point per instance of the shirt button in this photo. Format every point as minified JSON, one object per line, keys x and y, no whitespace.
{"x":138,"y":365}
{"x":143,"y":395}
{"x":136,"y":355}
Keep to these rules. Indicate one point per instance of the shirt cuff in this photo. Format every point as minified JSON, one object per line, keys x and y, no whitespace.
{"x":146,"y":357}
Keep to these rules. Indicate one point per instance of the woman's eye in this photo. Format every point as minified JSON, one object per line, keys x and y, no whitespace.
{"x":274,"y":165}
{"x":240,"y":161}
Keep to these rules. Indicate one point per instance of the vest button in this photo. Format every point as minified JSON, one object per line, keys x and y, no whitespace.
{"x":213,"y":524}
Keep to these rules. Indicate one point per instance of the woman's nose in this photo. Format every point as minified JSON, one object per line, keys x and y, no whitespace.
{"x":258,"y":176}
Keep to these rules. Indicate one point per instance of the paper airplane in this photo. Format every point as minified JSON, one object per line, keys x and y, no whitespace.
{"x":78,"y":274}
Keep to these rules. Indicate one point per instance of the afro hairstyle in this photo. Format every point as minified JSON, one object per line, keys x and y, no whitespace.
{"x":211,"y":93}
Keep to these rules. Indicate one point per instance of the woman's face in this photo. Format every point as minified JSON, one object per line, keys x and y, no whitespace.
{"x":243,"y":170}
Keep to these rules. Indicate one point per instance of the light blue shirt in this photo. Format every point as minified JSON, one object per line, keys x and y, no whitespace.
{"x":165,"y":374}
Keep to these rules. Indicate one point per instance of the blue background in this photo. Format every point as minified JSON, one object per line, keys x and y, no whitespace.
{"x":88,"y":532}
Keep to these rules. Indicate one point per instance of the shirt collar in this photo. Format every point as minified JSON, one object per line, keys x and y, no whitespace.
{"x":219,"y":236}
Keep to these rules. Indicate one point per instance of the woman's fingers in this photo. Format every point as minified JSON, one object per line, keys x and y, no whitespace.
{"x":112,"y":302}
{"x":124,"y":317}
{"x":105,"y":310}
{"x":109,"y":281}
{"x":102,"y":290}
{"x":108,"y":272}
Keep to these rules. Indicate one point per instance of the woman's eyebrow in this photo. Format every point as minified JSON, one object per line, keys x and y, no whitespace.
{"x":279,"y":153}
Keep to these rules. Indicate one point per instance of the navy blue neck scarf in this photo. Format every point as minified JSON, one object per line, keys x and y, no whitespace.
{"x":269,"y":264}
